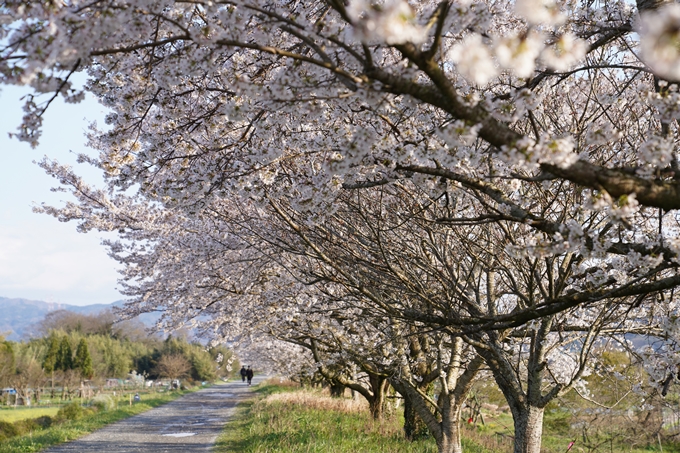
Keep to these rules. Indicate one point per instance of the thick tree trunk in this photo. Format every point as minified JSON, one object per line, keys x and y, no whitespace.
{"x":376,"y":404}
{"x":414,"y":426}
{"x":450,"y":441}
{"x":528,"y":430}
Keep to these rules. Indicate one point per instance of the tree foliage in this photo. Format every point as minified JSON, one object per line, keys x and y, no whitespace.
{"x":113,"y":358}
{"x":83,"y":361}
{"x":50,"y":361}
{"x":7,"y":361}
{"x":64,"y":360}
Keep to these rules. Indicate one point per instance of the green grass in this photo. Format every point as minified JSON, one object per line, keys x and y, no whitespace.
{"x":297,"y":424}
{"x":23,"y":413}
{"x":497,"y":434}
{"x":74,"y":429}
{"x":309,"y":422}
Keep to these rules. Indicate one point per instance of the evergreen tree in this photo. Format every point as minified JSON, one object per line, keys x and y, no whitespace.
{"x":50,"y":362}
{"x":83,"y":361}
{"x":7,"y":361}
{"x":64,"y":356}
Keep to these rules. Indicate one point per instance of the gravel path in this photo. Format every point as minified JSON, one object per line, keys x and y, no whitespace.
{"x":190,"y":423}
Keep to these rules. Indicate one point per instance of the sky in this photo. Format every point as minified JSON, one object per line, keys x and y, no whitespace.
{"x":40,"y":257}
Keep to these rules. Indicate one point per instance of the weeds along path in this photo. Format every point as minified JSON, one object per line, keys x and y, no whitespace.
{"x":190,"y":423}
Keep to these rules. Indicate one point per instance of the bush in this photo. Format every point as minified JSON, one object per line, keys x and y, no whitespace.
{"x":7,"y":430}
{"x":26,"y":426}
{"x":21,"y":427}
{"x":44,"y":422}
{"x":71,"y":411}
{"x":103,"y":402}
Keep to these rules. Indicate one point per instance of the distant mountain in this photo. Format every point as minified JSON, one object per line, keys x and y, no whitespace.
{"x":17,"y":315}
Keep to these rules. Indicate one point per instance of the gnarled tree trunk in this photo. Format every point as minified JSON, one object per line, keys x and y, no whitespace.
{"x":446,"y":428}
{"x":376,"y":403}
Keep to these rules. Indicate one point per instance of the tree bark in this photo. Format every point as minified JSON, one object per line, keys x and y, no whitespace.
{"x":528,"y":429}
{"x":376,"y":403}
{"x":450,"y":441}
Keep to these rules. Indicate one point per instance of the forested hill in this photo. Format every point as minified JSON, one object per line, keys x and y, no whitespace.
{"x":20,"y":315}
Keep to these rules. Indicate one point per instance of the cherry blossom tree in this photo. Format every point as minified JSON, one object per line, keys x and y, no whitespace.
{"x":276,"y":358}
{"x":393,"y":249}
{"x":518,"y":160}
{"x":466,"y":279}
{"x":360,"y":348}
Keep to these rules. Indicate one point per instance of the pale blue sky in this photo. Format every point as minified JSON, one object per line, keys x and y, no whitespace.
{"x":40,"y":257}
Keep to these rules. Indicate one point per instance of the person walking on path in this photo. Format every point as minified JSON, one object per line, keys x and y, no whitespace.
{"x":244,"y":372}
{"x":249,"y":375}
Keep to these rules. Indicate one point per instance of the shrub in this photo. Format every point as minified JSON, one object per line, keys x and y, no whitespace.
{"x":103,"y":402}
{"x":7,"y":430}
{"x":25,"y":426}
{"x":71,"y":411}
{"x":44,"y":422}
{"x":21,"y":427}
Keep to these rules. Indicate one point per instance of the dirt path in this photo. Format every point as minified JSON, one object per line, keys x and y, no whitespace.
{"x":191,"y":423}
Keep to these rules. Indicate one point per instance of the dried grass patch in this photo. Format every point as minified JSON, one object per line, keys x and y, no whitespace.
{"x":314,"y":400}
{"x":281,"y":382}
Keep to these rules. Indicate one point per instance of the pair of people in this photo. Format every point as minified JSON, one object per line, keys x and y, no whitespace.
{"x":247,"y":374}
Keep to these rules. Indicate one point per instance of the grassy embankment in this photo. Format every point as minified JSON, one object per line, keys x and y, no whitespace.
{"x":286,"y":419}
{"x":70,"y":425}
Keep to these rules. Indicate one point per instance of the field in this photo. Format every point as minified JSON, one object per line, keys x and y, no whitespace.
{"x":287,"y":419}
{"x":50,"y":407}
{"x":22,"y":413}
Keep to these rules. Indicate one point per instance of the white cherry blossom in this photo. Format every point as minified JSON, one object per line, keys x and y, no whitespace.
{"x":564,"y":53}
{"x":519,"y":52}
{"x":362,"y":174}
{"x":390,"y":22}
{"x":539,"y":12}
{"x":473,"y":59}
{"x":659,"y":40}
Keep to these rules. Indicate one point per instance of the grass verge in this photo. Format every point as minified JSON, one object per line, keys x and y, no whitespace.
{"x":283,"y":419}
{"x":286,"y":420}
{"x":73,"y":429}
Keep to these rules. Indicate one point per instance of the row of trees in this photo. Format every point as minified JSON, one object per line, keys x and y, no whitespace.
{"x":60,"y":357}
{"x":403,"y":193}
{"x":381,"y":293}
